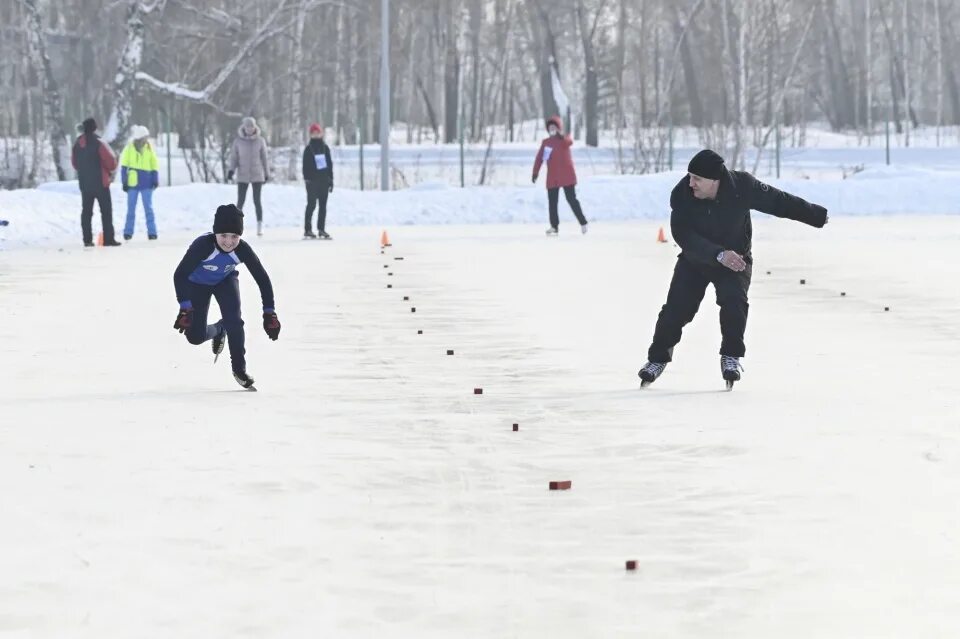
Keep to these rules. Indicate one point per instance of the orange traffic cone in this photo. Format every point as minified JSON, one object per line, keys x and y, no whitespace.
{"x":100,"y":239}
{"x":661,"y":237}
{"x":384,"y":240}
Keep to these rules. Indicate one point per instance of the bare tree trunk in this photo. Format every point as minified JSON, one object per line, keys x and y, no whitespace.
{"x":451,"y":75}
{"x":124,"y":83}
{"x":294,"y":135}
{"x":52,"y":102}
{"x":592,"y":92}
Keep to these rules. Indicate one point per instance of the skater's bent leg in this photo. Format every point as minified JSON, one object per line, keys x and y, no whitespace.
{"x":256,"y":200}
{"x":227,"y":293}
{"x":553,"y":196}
{"x":199,"y":332}
{"x":683,"y":300}
{"x":570,"y":192}
{"x":732,"y":289}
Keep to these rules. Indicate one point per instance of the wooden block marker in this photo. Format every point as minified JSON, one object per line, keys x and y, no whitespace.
{"x":886,"y":308}
{"x":399,"y":259}
{"x":389,"y":285}
{"x":406,"y":298}
{"x":803,"y":281}
{"x":561,"y":485}
{"x":843,"y":293}
{"x":391,"y":274}
{"x":631,"y":564}
{"x":420,"y":332}
{"x":413,"y":309}
{"x":516,"y":427}
{"x":478,"y":391}
{"x":449,"y":352}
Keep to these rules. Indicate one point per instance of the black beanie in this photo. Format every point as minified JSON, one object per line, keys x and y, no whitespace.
{"x":228,"y":219}
{"x":89,"y":125}
{"x":707,"y":164}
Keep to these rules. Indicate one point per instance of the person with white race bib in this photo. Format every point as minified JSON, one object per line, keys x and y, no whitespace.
{"x":318,"y":177}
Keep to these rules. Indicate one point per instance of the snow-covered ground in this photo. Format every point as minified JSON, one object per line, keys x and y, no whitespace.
{"x":50,"y":214}
{"x":365,"y":491}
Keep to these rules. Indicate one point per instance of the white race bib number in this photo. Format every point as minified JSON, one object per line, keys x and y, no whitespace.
{"x":321,"y":161}
{"x":547,"y":152}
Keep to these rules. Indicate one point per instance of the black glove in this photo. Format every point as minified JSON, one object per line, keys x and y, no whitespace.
{"x":271,"y":325}
{"x":184,"y":320}
{"x":125,"y":187}
{"x":266,"y":178}
{"x":534,"y":179}
{"x":230,"y":175}
{"x":331,"y":189}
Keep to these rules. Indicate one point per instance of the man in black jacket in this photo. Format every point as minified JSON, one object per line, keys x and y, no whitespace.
{"x":710,"y":221}
{"x":318,"y":176}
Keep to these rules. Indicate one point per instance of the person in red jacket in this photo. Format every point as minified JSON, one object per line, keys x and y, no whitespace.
{"x":95,"y":164}
{"x":555,"y":152}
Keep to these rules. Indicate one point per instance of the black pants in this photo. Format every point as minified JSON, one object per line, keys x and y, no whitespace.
{"x":686,"y":292}
{"x":553,"y":196}
{"x":227,"y":294}
{"x":102,"y":197}
{"x":242,"y":197}
{"x":317,"y":193}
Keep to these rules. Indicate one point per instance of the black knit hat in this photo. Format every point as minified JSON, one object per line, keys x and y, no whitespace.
{"x":89,"y":125}
{"x":228,"y":219}
{"x":707,"y":164}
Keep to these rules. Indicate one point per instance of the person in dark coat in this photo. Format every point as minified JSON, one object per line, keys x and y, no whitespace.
{"x":318,"y":177}
{"x":710,"y":221}
{"x":555,"y":153}
{"x":95,"y":164}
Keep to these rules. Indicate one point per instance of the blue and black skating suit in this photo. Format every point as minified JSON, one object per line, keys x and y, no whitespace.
{"x":206,"y":271}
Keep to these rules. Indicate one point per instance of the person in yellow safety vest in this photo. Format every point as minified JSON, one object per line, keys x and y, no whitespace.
{"x":140,"y":175}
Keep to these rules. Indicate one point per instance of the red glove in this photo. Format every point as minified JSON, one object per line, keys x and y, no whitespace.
{"x":184,"y":320}
{"x":271,"y":325}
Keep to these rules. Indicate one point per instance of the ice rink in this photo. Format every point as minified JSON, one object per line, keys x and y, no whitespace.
{"x":366,"y":491}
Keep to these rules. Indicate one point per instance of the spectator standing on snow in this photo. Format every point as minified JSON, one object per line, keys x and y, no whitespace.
{"x":95,"y":164}
{"x":140,"y":175}
{"x":555,"y":153}
{"x":248,"y":160}
{"x":318,"y":177}
{"x":710,"y":221}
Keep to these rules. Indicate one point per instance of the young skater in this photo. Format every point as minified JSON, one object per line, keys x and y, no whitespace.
{"x":209,"y":269}
{"x":710,"y":221}
{"x":555,"y":153}
{"x":318,"y":177}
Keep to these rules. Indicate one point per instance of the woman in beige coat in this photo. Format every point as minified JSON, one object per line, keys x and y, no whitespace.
{"x":248,"y":160}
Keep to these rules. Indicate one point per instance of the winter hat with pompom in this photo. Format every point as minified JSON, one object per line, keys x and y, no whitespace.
{"x":316,"y":128}
{"x":139,"y":132}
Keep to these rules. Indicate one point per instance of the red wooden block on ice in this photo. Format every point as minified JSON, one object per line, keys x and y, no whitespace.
{"x":631,"y":564}
{"x":561,"y":485}
{"x":478,"y":391}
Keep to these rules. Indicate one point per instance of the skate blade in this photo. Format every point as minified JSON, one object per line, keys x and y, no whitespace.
{"x":730,"y":384}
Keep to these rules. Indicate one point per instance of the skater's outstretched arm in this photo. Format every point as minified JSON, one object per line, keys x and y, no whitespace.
{"x":200,"y":249}
{"x":248,"y":257}
{"x":766,"y":199}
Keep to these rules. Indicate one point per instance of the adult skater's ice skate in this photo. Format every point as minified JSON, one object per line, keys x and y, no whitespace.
{"x":552,"y":231}
{"x":650,"y":372}
{"x":730,"y":367}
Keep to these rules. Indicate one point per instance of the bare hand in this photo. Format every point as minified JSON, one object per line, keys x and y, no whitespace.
{"x":733,"y":261}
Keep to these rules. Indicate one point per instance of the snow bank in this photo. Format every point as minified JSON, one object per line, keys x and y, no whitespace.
{"x":49,"y":214}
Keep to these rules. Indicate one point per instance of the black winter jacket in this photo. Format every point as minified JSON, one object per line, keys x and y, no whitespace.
{"x":315,"y":149}
{"x":704,"y":228}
